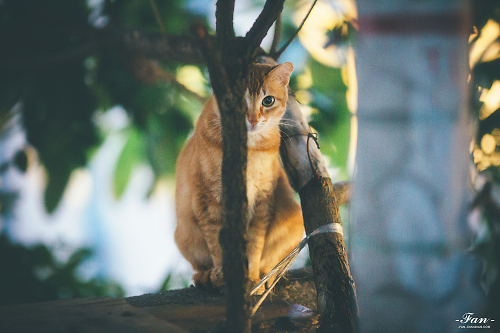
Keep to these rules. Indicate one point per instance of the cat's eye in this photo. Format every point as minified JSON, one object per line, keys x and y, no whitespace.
{"x":268,"y":101}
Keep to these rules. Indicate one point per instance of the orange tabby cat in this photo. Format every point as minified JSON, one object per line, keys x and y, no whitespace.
{"x":275,"y":218}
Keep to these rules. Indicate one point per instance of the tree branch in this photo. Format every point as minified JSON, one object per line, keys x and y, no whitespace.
{"x":283,"y":48}
{"x":176,"y":48}
{"x":227,"y":65}
{"x":276,"y":36}
{"x":336,"y":292}
{"x":156,"y":12}
{"x":224,"y":27}
{"x":272,"y":9}
{"x":149,"y":71}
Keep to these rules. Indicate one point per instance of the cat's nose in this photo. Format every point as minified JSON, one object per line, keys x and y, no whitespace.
{"x":253,"y":122}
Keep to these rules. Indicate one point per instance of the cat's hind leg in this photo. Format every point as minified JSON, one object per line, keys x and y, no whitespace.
{"x":191,"y":243}
{"x":286,"y":228}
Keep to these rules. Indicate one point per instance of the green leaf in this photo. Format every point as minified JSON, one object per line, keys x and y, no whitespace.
{"x":132,"y":155}
{"x":166,"y":285}
{"x":166,"y":136}
{"x":58,"y":176}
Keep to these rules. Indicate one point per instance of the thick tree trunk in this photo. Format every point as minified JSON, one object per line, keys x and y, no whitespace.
{"x":336,"y":295}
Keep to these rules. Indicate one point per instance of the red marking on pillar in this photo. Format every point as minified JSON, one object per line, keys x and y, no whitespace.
{"x":446,"y":23}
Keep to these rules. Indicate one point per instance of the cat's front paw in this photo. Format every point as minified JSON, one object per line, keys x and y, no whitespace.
{"x":264,"y":286}
{"x":216,"y":278}
{"x":202,"y":279}
{"x":211,"y":279}
{"x":260,"y":290}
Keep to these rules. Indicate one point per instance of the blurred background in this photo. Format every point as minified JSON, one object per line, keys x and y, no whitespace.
{"x":89,"y":135}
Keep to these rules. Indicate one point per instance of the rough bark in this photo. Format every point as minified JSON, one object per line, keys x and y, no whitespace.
{"x":228,"y":91}
{"x":336,"y":295}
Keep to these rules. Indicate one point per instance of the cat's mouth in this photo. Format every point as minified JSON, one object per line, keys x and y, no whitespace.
{"x":254,"y":128}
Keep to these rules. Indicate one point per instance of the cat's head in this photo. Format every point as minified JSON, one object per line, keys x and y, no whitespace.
{"x":266,"y":96}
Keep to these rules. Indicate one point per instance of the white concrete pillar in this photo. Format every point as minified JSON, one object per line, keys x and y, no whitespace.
{"x":409,"y":233}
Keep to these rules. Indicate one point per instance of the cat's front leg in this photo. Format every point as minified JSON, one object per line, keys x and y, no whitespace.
{"x":254,"y":252}
{"x":256,"y":236}
{"x":213,"y":278}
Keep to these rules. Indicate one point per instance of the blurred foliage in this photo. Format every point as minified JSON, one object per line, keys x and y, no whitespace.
{"x":332,"y":118}
{"x":57,"y":102}
{"x":485,"y":101}
{"x":34,"y":275}
{"x":132,"y":154}
{"x":59,"y":99}
{"x":45,"y":64}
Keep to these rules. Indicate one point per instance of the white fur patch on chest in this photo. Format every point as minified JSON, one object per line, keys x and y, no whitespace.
{"x":260,"y":177}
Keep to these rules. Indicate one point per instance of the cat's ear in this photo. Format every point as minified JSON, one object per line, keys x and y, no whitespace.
{"x":281,"y":73}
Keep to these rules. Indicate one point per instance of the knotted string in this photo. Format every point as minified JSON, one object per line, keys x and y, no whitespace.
{"x":280,"y":269}
{"x":314,"y":137}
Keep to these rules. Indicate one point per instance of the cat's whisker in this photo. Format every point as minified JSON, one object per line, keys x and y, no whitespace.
{"x":285,"y":135}
{"x":273,"y":122}
{"x":284,"y":118}
{"x":290,"y":122}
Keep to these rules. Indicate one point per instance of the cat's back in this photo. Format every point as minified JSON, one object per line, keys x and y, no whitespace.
{"x":205,"y":138}
{"x":200,"y":160}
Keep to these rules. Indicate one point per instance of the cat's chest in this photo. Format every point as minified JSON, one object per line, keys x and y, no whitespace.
{"x":263,"y":169}
{"x":262,"y":174}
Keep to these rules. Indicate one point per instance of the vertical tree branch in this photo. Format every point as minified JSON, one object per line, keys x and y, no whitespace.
{"x":276,"y":37}
{"x":224,"y":27}
{"x":227,"y":64}
{"x":234,"y":141}
{"x":230,"y":100}
{"x":272,"y":9}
